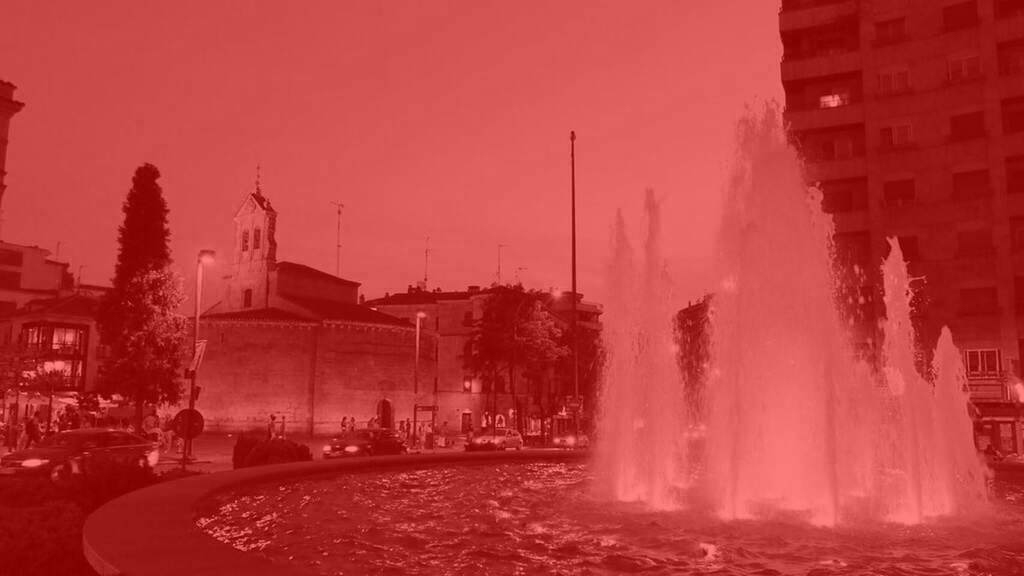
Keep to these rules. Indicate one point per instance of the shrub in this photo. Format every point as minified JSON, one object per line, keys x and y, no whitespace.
{"x":277,"y":451}
{"x":243,"y":446}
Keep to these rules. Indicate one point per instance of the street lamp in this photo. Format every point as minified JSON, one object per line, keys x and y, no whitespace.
{"x":416,"y":376}
{"x":204,"y":257}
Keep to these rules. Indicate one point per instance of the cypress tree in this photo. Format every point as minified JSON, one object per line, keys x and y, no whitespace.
{"x":138,"y":319}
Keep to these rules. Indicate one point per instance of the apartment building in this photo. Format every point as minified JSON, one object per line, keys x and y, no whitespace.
{"x":910,"y":117}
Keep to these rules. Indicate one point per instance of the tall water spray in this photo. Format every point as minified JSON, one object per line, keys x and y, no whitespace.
{"x":642,"y":454}
{"x":783,"y":392}
{"x":929,"y":443}
{"x":795,"y":424}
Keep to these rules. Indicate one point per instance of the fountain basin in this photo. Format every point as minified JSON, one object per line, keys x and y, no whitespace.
{"x":153,"y":532}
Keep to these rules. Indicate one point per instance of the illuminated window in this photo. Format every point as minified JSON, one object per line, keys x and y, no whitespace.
{"x":834,"y":100}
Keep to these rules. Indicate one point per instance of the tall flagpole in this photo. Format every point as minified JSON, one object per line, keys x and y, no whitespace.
{"x":572,"y":320}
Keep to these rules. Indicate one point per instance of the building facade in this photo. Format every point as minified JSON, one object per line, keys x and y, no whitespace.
{"x":288,"y":340}
{"x":471,"y":401}
{"x":910,"y":117}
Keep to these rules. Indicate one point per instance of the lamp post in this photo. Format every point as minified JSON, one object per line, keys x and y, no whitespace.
{"x":204,"y":257}
{"x":416,"y":375}
{"x":572,"y":319}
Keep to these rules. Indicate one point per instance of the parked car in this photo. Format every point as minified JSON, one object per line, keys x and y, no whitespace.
{"x":367,"y":442}
{"x":571,"y":441}
{"x":500,"y":440}
{"x":79,"y":451}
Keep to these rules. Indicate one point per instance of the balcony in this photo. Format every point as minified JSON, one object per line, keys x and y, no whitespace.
{"x":808,"y":13}
{"x":824,"y":65}
{"x":987,"y":390}
{"x":818,"y":118}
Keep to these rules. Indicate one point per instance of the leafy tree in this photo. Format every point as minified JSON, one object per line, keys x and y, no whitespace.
{"x":515,"y":335}
{"x":138,"y":319}
{"x":591,"y":364}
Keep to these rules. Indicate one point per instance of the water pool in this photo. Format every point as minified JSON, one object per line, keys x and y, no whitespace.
{"x":543,"y":518}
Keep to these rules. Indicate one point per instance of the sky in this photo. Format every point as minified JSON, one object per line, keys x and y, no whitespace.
{"x":440,"y":119}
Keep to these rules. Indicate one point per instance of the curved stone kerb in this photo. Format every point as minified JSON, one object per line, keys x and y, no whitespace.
{"x":152,"y":532}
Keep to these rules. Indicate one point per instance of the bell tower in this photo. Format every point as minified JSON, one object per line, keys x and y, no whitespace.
{"x":8,"y":108}
{"x":254,"y":255}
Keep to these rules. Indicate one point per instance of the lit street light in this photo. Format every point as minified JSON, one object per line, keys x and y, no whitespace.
{"x":204,"y":257}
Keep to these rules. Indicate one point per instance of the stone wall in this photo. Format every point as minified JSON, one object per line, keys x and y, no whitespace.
{"x":311,"y":374}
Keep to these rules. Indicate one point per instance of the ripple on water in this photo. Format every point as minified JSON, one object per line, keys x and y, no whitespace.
{"x":542,"y":518}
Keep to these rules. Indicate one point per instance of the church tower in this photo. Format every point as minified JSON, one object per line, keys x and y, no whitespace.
{"x":255,"y":253}
{"x":8,"y":108}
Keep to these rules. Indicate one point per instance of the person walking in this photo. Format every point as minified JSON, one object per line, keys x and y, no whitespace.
{"x":272,"y":427}
{"x":32,"y":432}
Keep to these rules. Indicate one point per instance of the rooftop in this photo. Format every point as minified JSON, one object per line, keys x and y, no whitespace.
{"x":302,"y":269}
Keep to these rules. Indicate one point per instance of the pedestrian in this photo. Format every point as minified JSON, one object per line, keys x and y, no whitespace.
{"x":352,"y":423}
{"x":272,"y":427}
{"x":344,"y":424}
{"x":32,"y":431}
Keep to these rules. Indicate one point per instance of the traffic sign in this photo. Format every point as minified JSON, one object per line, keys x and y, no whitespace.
{"x":197,"y":357}
{"x":195,"y":423}
{"x":421,"y":408}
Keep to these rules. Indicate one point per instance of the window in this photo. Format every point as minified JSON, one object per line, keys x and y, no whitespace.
{"x":899,"y":192}
{"x":971,"y":185}
{"x":467,"y":384}
{"x":982,"y":363}
{"x":838,"y":149}
{"x":247,"y":298}
{"x":67,"y":340}
{"x":33,"y":337}
{"x":897,"y":136}
{"x":1011,"y":57}
{"x":844,"y":195}
{"x":834,"y":100}
{"x":894,"y":81}
{"x":910,"y":248}
{"x":1013,"y":115}
{"x":974,"y":243}
{"x":967,"y":126}
{"x":256,"y":239}
{"x":963,"y":68}
{"x":10,"y":279}
{"x":890,"y":31}
{"x":960,"y":16}
{"x":245,"y":240}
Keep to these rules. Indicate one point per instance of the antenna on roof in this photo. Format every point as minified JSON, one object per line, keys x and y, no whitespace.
{"x":426,"y":261}
{"x":337,"y":254}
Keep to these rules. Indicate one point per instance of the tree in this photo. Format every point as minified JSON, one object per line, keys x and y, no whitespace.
{"x":138,"y":319}
{"x":516,"y":333}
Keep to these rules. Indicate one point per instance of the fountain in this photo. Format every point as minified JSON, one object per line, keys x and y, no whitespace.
{"x":796,"y":425}
{"x":791,"y":456}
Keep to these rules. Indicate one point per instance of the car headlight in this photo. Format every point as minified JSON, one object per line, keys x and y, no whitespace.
{"x":34,"y":463}
{"x":153,"y":457}
{"x":327,"y":449}
{"x":351,"y":449}
{"x":571,"y":440}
